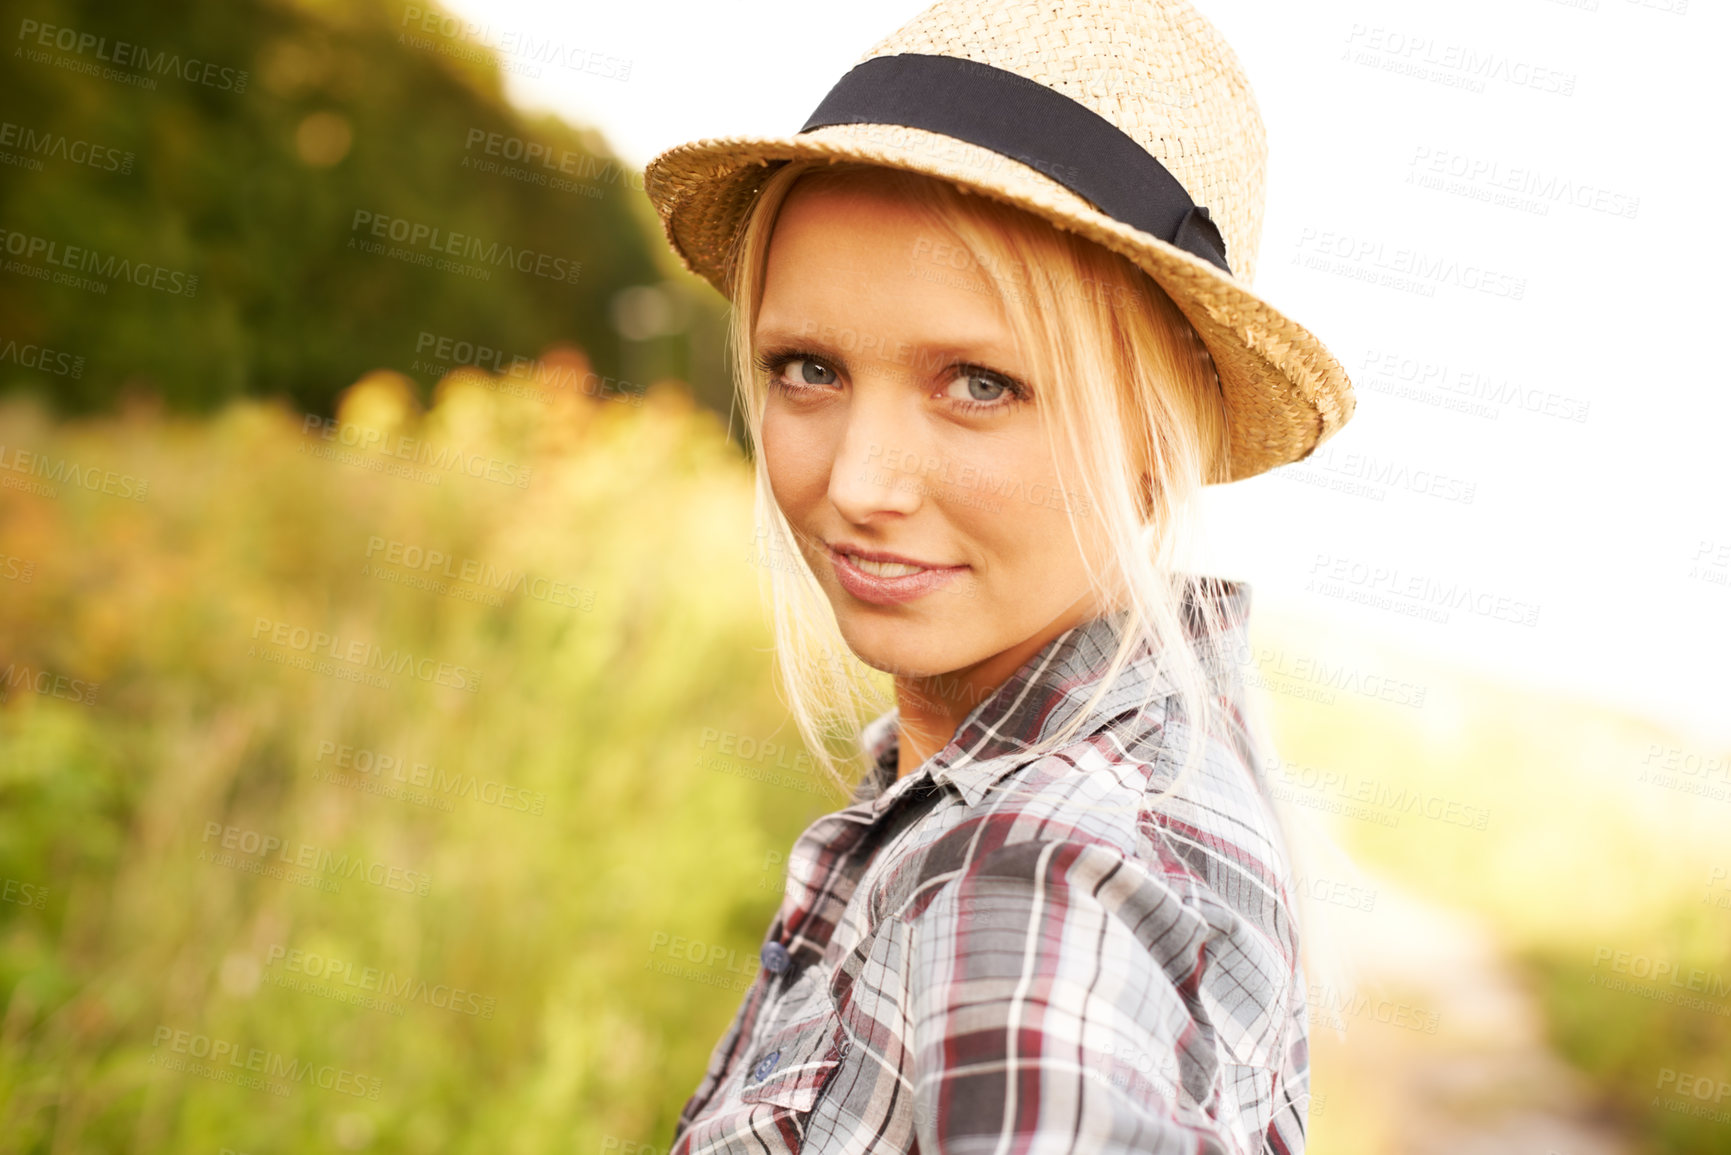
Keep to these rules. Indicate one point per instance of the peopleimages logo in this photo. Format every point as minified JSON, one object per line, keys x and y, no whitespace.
{"x":42,"y":359}
{"x":310,"y":856}
{"x":374,"y":764}
{"x":1430,"y":167}
{"x":366,"y":654}
{"x":532,"y":152}
{"x":125,"y":54}
{"x":479,"y":573}
{"x":364,"y":980}
{"x":1400,"y":266}
{"x":443,"y":242}
{"x":38,"y":143}
{"x":67,"y":472}
{"x":1466,"y":385}
{"x":72,"y":260}
{"x":1416,"y":594}
{"x":46,"y":683}
{"x":280,"y":1069}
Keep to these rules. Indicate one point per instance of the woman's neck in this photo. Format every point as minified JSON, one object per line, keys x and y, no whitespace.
{"x":931,"y":709}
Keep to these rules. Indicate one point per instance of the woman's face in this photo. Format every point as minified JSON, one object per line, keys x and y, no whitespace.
{"x":900,"y":420}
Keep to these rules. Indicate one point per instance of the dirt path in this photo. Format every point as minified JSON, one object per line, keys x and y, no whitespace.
{"x":1444,"y":1050}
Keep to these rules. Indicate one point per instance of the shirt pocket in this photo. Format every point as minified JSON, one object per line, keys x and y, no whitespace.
{"x":798,"y":1055}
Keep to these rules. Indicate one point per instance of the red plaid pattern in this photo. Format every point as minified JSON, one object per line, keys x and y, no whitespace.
{"x":1003,"y":956}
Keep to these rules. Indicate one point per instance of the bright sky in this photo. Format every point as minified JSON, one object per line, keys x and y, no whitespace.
{"x":1615,"y":526}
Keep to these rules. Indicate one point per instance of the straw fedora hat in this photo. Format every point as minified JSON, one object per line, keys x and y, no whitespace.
{"x":1129,"y":122}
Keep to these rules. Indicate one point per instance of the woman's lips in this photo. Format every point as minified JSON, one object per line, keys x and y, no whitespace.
{"x":882,"y":590}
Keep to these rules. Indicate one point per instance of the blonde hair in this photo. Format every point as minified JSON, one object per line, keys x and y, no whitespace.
{"x":1139,"y":423}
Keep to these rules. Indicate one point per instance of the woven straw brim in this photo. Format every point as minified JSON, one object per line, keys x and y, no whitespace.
{"x":1284,"y":392}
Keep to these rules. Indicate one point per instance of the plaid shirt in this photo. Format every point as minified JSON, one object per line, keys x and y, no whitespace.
{"x":1003,"y":956}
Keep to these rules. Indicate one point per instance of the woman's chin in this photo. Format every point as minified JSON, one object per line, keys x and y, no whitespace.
{"x":909,"y":647}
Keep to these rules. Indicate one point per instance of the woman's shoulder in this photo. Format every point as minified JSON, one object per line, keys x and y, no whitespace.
{"x":1211,"y":850}
{"x":1064,"y":840}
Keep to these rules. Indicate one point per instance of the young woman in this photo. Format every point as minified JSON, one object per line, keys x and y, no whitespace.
{"x":994,"y":333}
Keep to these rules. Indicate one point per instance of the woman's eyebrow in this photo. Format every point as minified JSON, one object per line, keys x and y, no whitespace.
{"x":866,"y":346}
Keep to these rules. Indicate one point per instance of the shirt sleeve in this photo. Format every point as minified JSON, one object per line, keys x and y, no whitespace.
{"x":1064,"y":999}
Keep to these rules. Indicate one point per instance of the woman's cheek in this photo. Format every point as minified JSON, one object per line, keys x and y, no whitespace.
{"x":795,"y":460}
{"x":776,"y":447}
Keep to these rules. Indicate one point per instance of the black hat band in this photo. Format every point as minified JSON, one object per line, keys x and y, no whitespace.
{"x":1025,"y":121}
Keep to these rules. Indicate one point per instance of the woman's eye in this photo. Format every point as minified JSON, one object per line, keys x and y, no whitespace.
{"x":977,"y":387}
{"x":810,"y":372}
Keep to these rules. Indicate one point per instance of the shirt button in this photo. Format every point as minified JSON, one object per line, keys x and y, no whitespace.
{"x":764,"y":1066}
{"x":775,"y":957}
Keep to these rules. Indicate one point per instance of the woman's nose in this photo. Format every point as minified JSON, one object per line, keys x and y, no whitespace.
{"x":876,"y":465}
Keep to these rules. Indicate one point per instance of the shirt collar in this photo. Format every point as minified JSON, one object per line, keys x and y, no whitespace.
{"x":1039,"y":698}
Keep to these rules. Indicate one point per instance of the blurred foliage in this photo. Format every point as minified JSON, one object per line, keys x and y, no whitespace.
{"x":247,"y":171}
{"x":607,"y":928}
